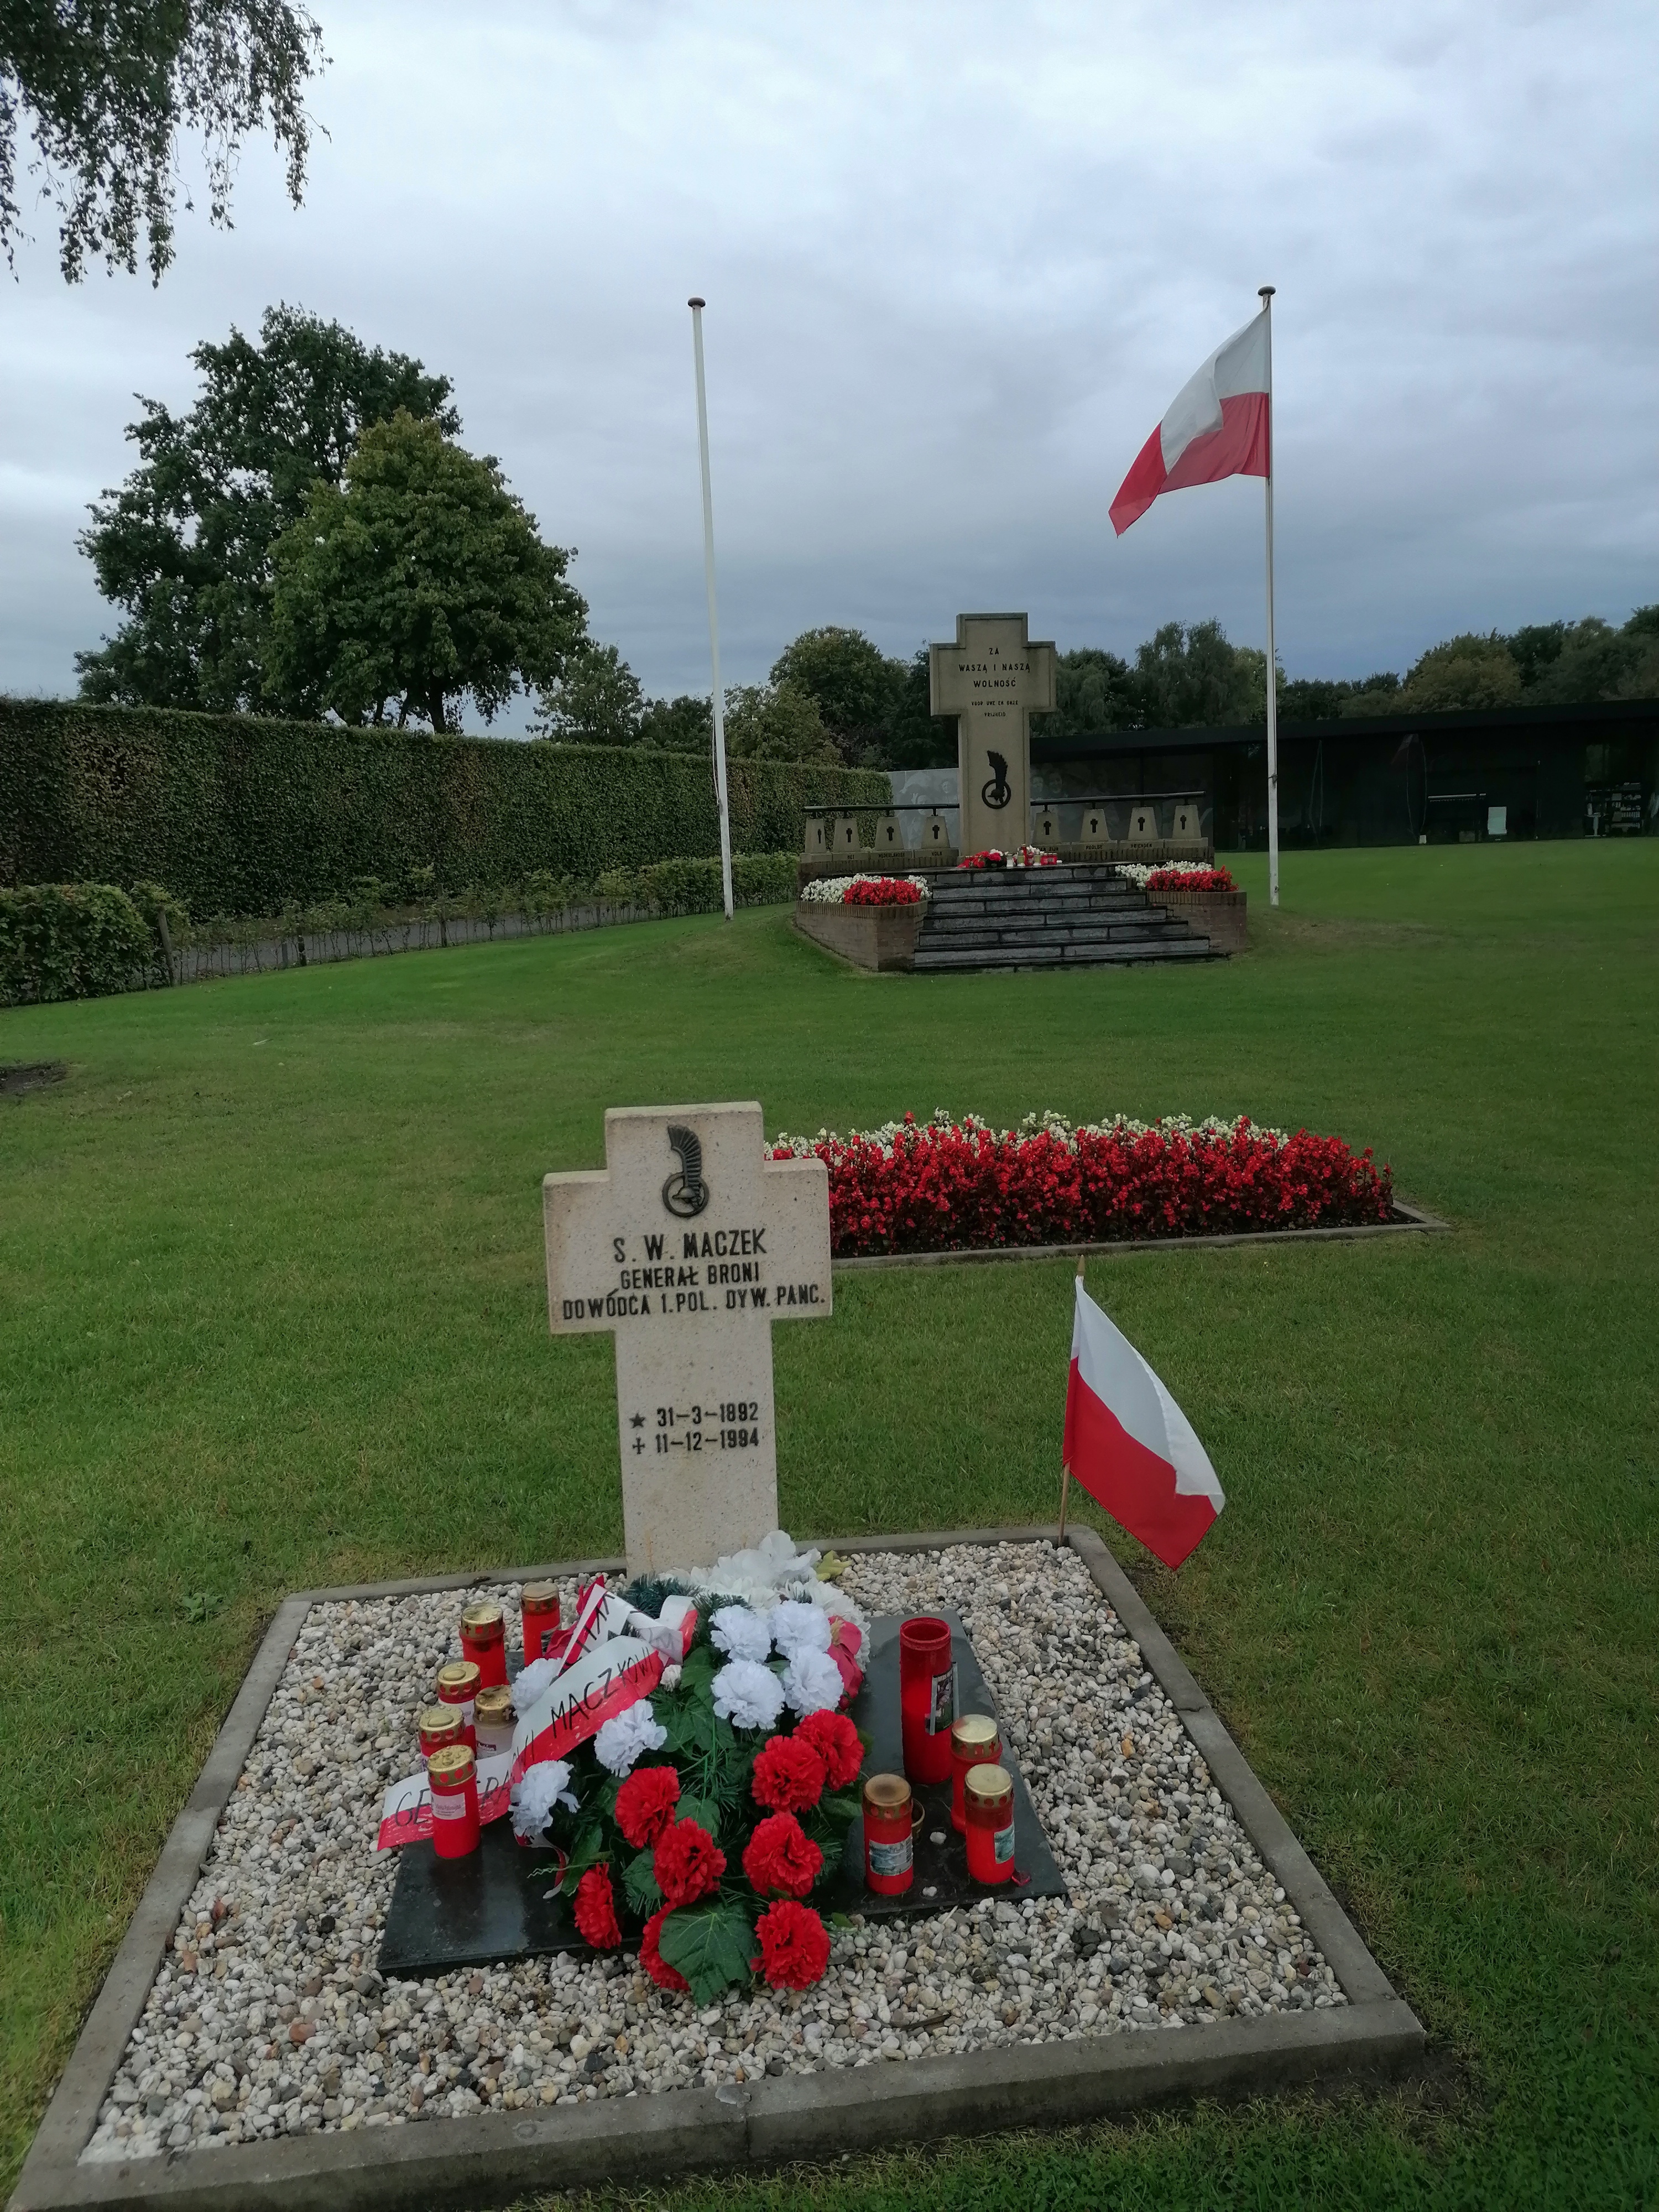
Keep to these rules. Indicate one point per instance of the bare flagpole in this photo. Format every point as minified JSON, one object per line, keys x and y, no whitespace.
{"x":1265,"y":294}
{"x":696,"y":308}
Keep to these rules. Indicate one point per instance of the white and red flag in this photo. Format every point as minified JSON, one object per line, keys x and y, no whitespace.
{"x":1130,"y":1445}
{"x":1219,"y":424}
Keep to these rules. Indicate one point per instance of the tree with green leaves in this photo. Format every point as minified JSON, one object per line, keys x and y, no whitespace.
{"x":856,"y":686}
{"x":1191,"y":677}
{"x":418,"y":580}
{"x":106,"y":90}
{"x":1093,"y":690}
{"x":683,"y":724}
{"x":776,"y":722}
{"x":184,"y":546}
{"x":597,"y":701}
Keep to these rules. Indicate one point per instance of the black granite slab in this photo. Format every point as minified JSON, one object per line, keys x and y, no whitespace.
{"x":500,"y":1903}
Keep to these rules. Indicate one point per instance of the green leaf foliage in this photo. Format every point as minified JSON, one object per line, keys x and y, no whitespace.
{"x":711,"y":1944}
{"x":184,"y":547}
{"x":418,"y":580}
{"x":587,"y":1847}
{"x":639,"y":1884}
{"x":70,"y":941}
{"x":239,"y":814}
{"x":106,"y":90}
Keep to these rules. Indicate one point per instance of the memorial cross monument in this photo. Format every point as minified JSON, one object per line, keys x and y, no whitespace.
{"x":994,"y":679}
{"x":688,"y":1244}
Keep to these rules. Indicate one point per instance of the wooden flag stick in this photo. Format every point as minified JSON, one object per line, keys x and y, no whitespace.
{"x":1065,"y":1471}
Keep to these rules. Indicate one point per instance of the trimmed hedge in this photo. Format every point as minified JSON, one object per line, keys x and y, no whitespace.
{"x":239,"y":814}
{"x":70,"y":941}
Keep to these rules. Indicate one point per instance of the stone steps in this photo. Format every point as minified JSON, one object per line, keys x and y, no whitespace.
{"x":1077,"y":916}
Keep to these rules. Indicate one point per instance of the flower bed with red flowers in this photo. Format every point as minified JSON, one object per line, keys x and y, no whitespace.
{"x":1023,"y":856}
{"x":1191,"y":879}
{"x":882,"y":891}
{"x":951,"y":1186}
{"x":706,"y":1851}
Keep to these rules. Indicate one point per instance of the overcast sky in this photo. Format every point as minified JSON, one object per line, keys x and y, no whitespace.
{"x":957,"y":260}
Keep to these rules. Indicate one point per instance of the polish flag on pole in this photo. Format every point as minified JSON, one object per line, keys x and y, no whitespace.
{"x":1130,"y":1445}
{"x":1219,"y":424}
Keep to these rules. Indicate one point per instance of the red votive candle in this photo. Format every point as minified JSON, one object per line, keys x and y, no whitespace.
{"x":439,"y":1725}
{"x":453,"y":1777}
{"x":484,"y":1641}
{"x":458,"y":1685}
{"x":890,"y":1821}
{"x":926,"y":1698}
{"x":540,"y":1609}
{"x":988,"y":1799}
{"x":975,"y":1742}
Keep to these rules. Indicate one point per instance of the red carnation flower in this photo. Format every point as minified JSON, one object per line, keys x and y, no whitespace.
{"x":687,"y":1863}
{"x":794,"y":1946}
{"x":789,"y":1774}
{"x":646,"y":1802}
{"x":836,"y":1741}
{"x":781,"y":1859}
{"x":651,"y":1957}
{"x":596,"y":1910}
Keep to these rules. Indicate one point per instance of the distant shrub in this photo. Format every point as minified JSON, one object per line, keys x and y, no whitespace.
{"x":70,"y":941}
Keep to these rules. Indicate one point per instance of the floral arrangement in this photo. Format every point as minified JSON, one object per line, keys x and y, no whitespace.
{"x":700,"y":1820}
{"x":954,"y":1186}
{"x":866,"y":890}
{"x":1176,"y":876}
{"x":1024,"y":856}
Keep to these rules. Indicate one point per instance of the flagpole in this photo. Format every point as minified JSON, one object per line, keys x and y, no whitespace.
{"x":696,"y":308}
{"x":1065,"y":1471}
{"x":1265,"y":294}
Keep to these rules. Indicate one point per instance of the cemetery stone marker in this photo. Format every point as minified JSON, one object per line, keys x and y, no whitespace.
{"x":688,"y":1244}
{"x":994,"y":679}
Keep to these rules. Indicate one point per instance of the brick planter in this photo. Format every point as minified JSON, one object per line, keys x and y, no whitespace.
{"x":876,"y":936}
{"x":1218,"y":915}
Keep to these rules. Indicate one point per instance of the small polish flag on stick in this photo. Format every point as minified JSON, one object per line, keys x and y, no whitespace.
{"x":1130,"y":1445}
{"x":1219,"y":424}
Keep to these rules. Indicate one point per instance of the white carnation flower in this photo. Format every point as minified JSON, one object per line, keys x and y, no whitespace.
{"x":531,"y":1681}
{"x":740,"y":1632}
{"x":749,"y":1695}
{"x":626,"y":1734}
{"x":812,"y":1683}
{"x":537,"y":1792}
{"x":796,"y":1628}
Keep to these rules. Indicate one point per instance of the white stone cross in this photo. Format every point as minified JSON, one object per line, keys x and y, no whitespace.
{"x":993,"y":678}
{"x":689,"y":1243}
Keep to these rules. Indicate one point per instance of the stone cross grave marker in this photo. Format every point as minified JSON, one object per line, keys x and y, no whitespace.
{"x":993,"y":678}
{"x":688,"y":1244}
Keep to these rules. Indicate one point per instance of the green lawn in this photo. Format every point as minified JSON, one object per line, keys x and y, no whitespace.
{"x":271,"y":1313}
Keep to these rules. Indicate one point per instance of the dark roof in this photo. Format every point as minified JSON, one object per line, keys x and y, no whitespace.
{"x":1628,"y":714}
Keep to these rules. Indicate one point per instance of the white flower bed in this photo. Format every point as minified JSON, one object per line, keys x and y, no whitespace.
{"x":1210,"y":1130}
{"x":831,"y":890}
{"x":268,"y":2018}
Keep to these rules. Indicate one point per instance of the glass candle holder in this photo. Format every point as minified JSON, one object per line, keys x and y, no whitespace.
{"x":484,"y":1641}
{"x":987,"y":1800}
{"x":891,"y":1816}
{"x":926,"y":1696}
{"x":453,"y":1777}
{"x":539,"y":1606}
{"x":458,"y":1686}
{"x":494,"y":1720}
{"x":439,"y":1725}
{"x":976,"y":1740}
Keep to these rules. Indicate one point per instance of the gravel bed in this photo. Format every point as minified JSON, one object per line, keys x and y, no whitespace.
{"x":268,"y":2018}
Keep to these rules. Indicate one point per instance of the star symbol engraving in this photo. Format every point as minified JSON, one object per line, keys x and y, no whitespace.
{"x":636,"y":1421}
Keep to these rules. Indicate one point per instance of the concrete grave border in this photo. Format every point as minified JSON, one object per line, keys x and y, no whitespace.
{"x":494,"y":2157}
{"x":1415,"y":1222}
